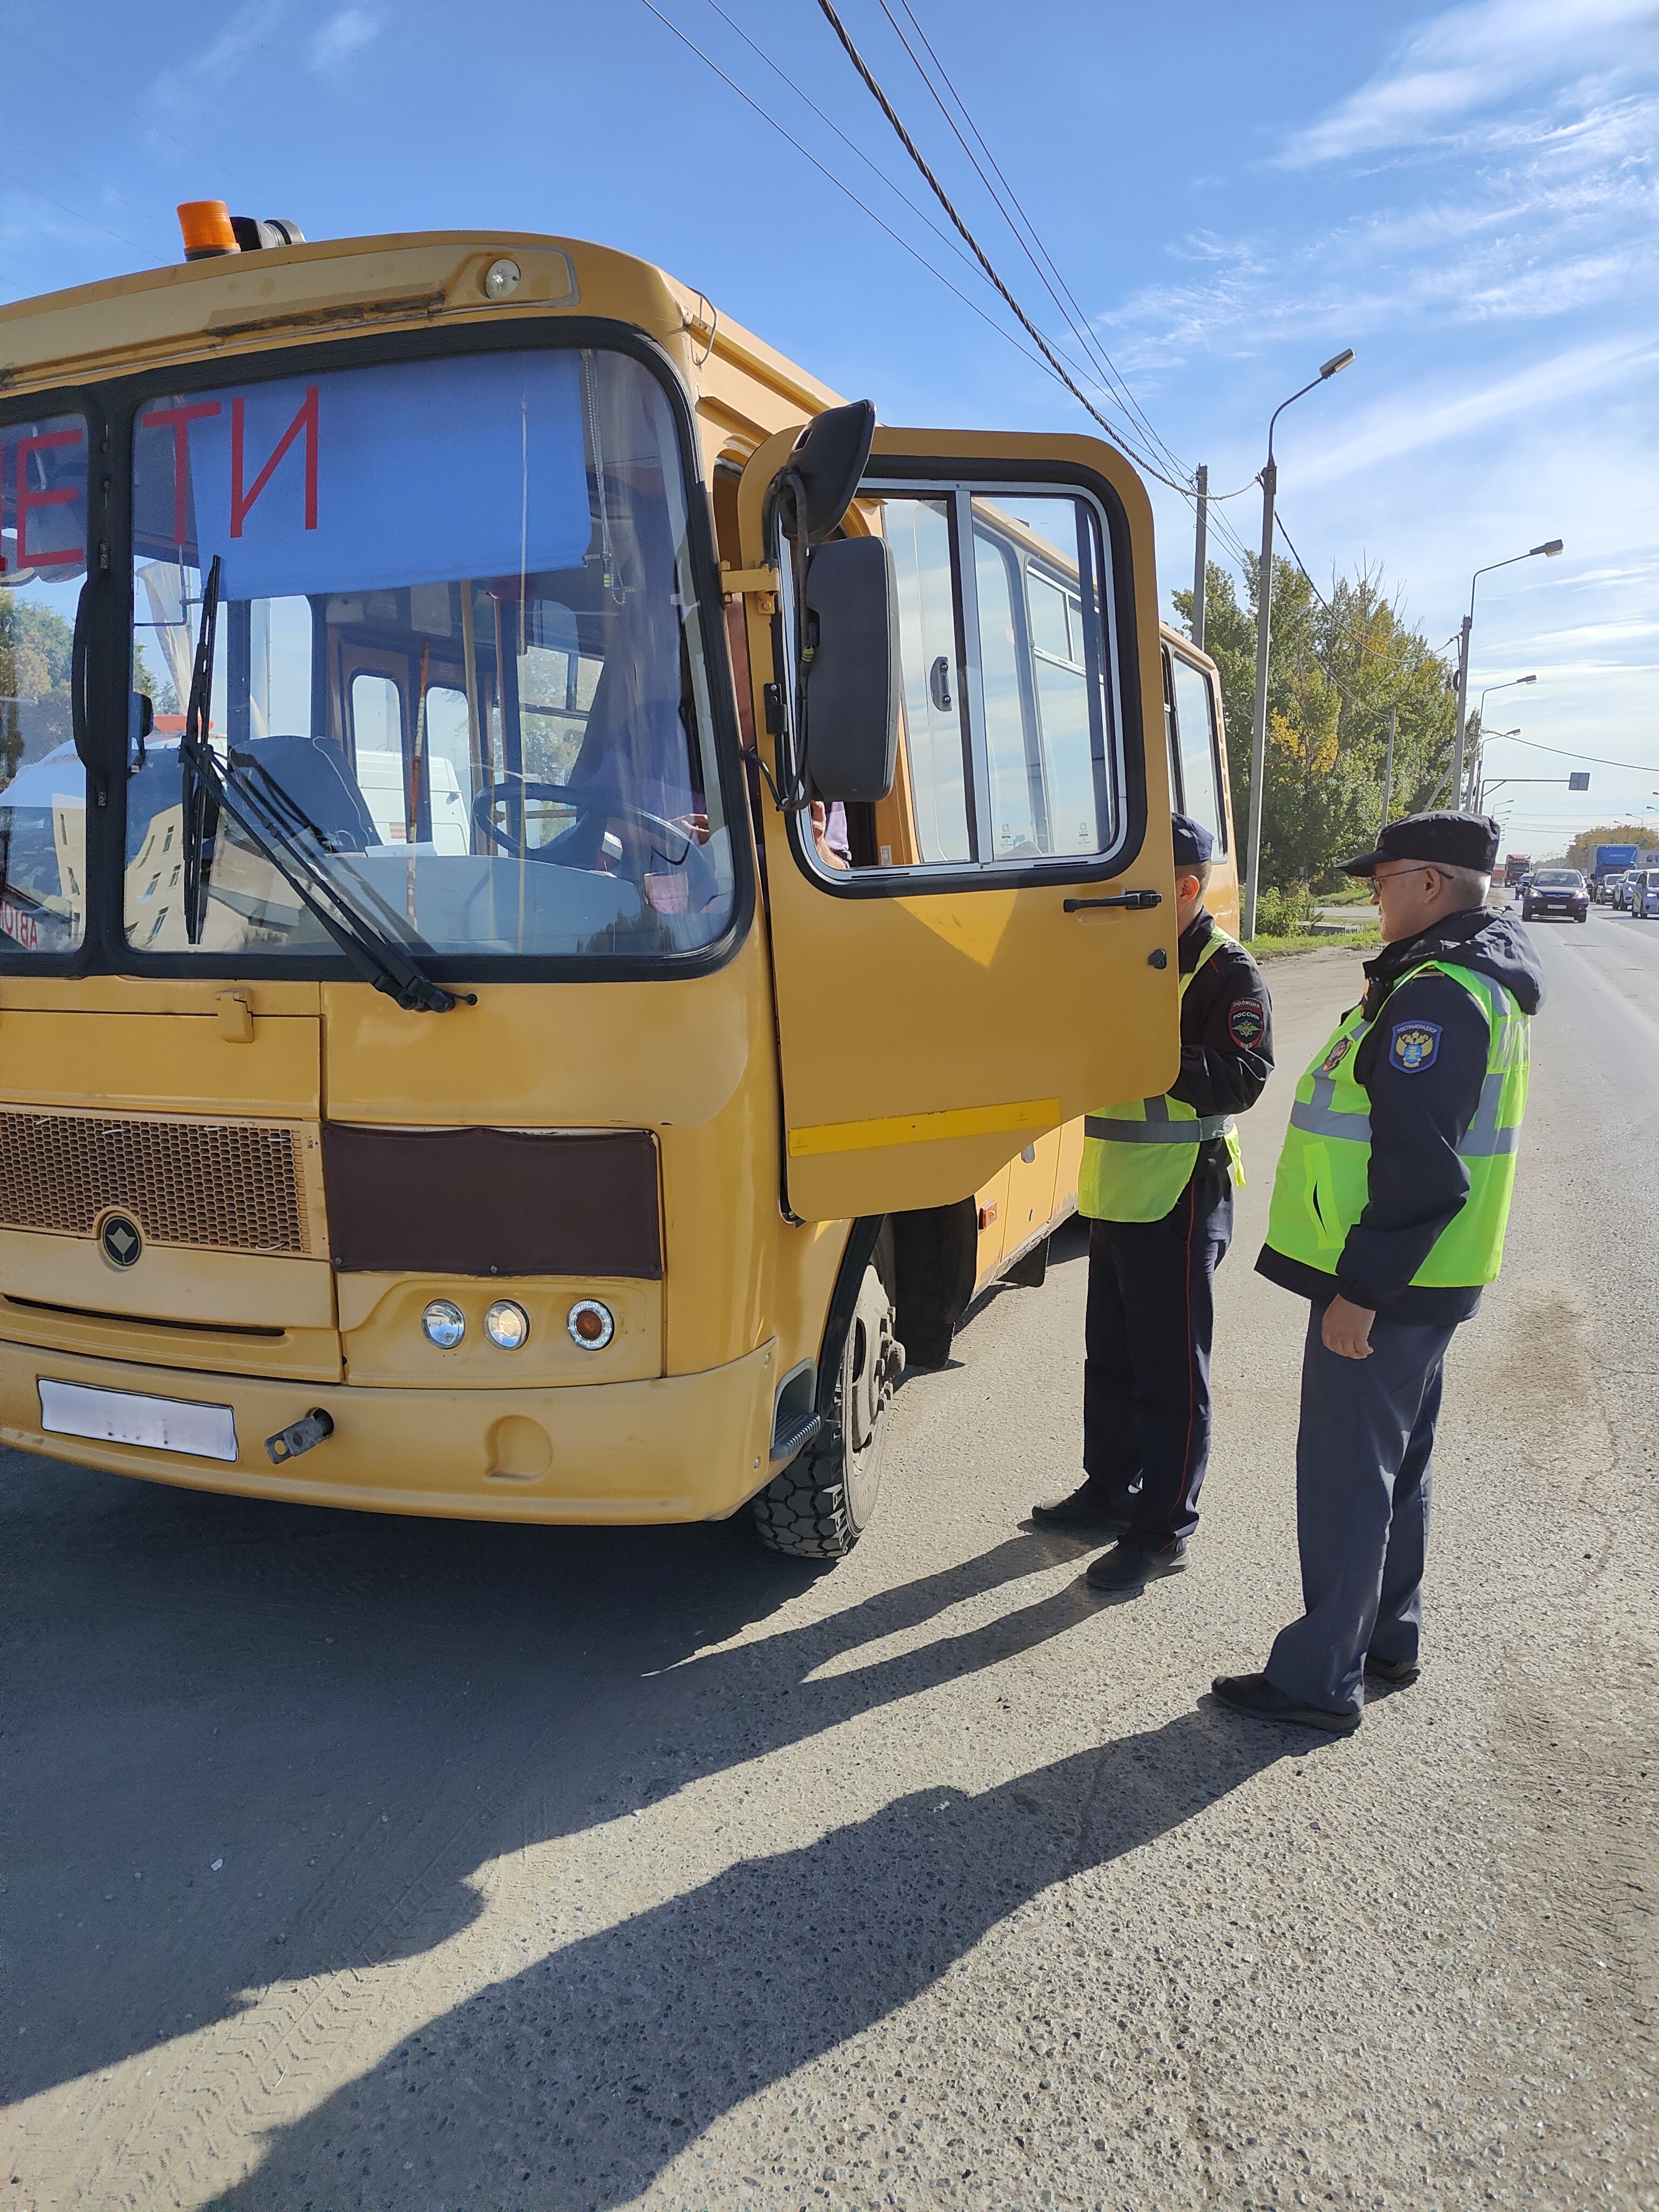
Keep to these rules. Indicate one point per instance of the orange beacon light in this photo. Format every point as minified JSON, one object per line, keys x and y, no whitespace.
{"x":207,"y":229}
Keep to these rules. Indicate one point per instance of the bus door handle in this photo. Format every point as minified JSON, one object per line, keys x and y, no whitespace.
{"x":1135,"y":900}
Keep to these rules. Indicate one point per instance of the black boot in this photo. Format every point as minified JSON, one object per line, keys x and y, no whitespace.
{"x":1256,"y":1695}
{"x":1132,"y":1566}
{"x":1088,"y":1511}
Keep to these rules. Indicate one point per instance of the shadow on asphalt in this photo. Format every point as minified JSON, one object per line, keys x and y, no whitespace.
{"x":353,"y":1713}
{"x":587,"y":2073}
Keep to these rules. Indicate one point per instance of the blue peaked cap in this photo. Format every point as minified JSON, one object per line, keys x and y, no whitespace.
{"x":1194,"y":843}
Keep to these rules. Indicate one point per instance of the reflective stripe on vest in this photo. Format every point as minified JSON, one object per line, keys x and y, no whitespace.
{"x":1322,"y":1185}
{"x":1138,"y":1157}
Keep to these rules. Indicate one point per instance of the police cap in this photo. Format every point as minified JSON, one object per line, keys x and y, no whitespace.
{"x":1194,"y":844}
{"x":1444,"y":840}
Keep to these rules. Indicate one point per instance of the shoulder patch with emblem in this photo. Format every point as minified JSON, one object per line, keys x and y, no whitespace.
{"x":1334,"y":1058}
{"x":1245,"y":1023}
{"x":1414,"y":1046}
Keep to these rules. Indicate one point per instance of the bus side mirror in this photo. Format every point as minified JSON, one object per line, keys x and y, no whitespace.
{"x":853,"y":670}
{"x":831,"y":456}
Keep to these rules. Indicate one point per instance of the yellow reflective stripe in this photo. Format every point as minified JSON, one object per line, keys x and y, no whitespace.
{"x":924,"y":1128}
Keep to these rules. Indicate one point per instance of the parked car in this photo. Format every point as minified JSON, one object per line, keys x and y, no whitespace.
{"x":1558,"y":891}
{"x":1644,"y":894}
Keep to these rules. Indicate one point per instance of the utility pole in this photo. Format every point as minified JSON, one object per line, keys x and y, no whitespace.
{"x":1388,"y":772}
{"x":1463,"y":702}
{"x":1200,"y":554}
{"x":1264,"y":602}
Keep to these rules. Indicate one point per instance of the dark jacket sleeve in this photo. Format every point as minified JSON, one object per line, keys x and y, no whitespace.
{"x":1419,"y":1117}
{"x":1226,"y":1036}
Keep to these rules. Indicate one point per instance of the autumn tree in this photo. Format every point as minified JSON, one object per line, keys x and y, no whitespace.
{"x":1337,"y":667}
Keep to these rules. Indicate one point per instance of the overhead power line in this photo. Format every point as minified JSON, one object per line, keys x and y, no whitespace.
{"x":1637,"y":768}
{"x":1008,"y":205}
{"x":846,"y":189}
{"x":827,"y":8}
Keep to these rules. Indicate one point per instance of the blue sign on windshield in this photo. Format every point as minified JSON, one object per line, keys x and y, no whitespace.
{"x":367,"y":479}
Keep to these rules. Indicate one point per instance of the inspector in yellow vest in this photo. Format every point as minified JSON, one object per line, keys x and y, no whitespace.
{"x":1138,"y":1158}
{"x":1323,"y":1179}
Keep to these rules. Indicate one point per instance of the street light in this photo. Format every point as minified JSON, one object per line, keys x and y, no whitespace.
{"x":1480,"y":719}
{"x":1481,"y":786}
{"x":1264,"y":594}
{"x":1481,"y":709}
{"x":1549,"y":550}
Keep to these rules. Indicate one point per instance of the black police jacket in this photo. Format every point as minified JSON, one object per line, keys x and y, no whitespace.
{"x":1226,"y":1033}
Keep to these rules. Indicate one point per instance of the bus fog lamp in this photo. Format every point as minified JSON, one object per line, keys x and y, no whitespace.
{"x":502,"y":280}
{"x":592,"y":1326}
{"x":444,"y":1324}
{"x":506,"y":1325}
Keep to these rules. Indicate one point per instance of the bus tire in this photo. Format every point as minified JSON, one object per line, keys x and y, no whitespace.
{"x":822,"y":1502}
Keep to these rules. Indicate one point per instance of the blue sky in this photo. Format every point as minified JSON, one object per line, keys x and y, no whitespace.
{"x":1466,"y":195}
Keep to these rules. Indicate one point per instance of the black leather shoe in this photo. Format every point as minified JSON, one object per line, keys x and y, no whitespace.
{"x":1132,"y":1566}
{"x":1256,"y":1695}
{"x":1087,"y":1510}
{"x":1401,"y":1673}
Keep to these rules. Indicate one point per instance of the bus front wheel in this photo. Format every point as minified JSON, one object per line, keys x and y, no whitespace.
{"x":822,"y":1502}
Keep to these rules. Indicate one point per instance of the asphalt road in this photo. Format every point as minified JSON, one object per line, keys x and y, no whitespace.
{"x":360,"y":1862}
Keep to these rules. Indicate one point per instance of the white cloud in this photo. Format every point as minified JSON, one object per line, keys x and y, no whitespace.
{"x":1472,"y":58}
{"x":342,"y":36}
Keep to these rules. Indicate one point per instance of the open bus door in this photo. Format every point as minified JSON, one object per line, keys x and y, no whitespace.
{"x":1000,"y":957}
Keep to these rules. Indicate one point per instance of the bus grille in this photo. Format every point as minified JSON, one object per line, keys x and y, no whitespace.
{"x":222,"y":1186}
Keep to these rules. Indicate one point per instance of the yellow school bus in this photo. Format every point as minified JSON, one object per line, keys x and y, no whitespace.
{"x":563,"y":892}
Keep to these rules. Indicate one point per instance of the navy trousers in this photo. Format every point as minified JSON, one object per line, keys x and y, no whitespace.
{"x":1146,"y":1370}
{"x":1362,"y":1510}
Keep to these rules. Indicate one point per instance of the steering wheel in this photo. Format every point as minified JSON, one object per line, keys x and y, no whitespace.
{"x":701,"y":882}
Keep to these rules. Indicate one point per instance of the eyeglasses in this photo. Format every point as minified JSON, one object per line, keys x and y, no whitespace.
{"x":1378,"y":876}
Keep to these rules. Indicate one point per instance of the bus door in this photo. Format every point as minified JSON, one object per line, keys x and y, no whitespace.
{"x":1000,"y":956}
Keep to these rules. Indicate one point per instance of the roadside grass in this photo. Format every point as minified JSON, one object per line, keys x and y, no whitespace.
{"x":1309,"y":940}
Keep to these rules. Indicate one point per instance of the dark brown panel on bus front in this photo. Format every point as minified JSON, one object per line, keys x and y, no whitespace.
{"x":483,"y":1201}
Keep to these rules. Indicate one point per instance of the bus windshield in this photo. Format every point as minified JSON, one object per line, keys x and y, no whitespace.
{"x":457,"y":626}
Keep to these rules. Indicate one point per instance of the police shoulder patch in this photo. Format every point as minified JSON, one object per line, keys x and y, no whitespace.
{"x":1414,"y":1046}
{"x":1245,"y":1022}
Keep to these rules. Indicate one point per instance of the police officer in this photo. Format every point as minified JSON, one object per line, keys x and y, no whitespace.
{"x":1156,"y":1184}
{"x":1388,"y":1214}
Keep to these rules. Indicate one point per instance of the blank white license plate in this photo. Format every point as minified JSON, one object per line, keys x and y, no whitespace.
{"x":123,"y":1417}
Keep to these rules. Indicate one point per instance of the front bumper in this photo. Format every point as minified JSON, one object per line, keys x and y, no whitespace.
{"x":684,"y":1447}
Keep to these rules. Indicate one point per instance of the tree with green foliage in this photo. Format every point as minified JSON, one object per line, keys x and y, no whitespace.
{"x":1336,"y":668}
{"x":35,"y":645}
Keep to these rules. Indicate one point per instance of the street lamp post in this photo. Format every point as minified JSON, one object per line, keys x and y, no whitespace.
{"x":1480,"y":723}
{"x":1264,"y":594}
{"x":1549,"y":550}
{"x":1480,"y":786}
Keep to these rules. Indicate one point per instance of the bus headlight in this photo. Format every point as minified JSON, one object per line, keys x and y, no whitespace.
{"x":444,"y":1324}
{"x":592,"y":1326}
{"x":506,"y":1325}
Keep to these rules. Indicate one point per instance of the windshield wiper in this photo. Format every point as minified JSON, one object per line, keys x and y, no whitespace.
{"x":277,"y":828}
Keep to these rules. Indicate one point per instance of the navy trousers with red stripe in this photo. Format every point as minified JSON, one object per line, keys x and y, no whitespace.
{"x":1146,"y":1369}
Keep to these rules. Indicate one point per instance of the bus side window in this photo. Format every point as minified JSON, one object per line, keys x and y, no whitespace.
{"x":1011,"y":747}
{"x":1200,"y":770}
{"x":1176,"y":800}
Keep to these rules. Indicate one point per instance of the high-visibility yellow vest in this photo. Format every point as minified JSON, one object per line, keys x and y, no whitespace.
{"x":1323,"y":1180}
{"x":1138,"y":1157}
